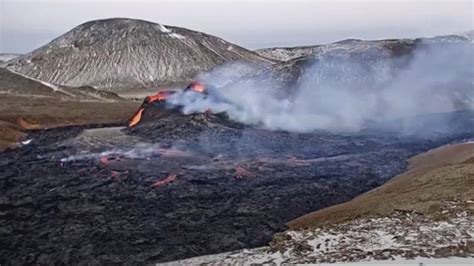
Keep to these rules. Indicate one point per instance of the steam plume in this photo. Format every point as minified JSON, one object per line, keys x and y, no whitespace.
{"x":343,"y":92}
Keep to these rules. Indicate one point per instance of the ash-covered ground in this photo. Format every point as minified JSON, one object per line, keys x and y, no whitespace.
{"x":179,"y":186}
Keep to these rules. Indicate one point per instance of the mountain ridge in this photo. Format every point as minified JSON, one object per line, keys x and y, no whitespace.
{"x":289,"y":53}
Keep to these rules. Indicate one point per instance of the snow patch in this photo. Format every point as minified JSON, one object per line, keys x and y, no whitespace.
{"x":177,"y":36}
{"x":164,"y":29}
{"x":170,"y":33}
{"x":26,"y":142}
{"x":403,"y":237}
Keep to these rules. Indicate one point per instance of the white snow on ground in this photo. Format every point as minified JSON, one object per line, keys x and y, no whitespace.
{"x":352,"y":46}
{"x":26,"y":142}
{"x":177,"y":36}
{"x":286,"y":54}
{"x":164,"y":29}
{"x":170,"y":33}
{"x":402,"y":238}
{"x":410,"y":262}
{"x":418,"y":261}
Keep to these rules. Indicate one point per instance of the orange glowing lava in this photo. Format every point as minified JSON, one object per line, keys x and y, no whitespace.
{"x":104,"y":160}
{"x":136,"y":118}
{"x":197,"y":87}
{"x":167,"y":180}
{"x":160,"y":96}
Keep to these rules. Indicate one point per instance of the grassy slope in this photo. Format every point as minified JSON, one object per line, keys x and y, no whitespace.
{"x":433,"y":178}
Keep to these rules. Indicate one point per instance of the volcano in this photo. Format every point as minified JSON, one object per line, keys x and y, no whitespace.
{"x":177,"y":185}
{"x":120,"y":54}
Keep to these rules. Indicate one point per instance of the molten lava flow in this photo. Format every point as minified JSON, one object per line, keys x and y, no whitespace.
{"x":160,"y":96}
{"x":165,"y":181}
{"x":136,"y":118}
{"x":197,"y":87}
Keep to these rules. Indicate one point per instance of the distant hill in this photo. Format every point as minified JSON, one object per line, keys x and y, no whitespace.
{"x":353,"y":46}
{"x":119,"y":54}
{"x":442,"y":65}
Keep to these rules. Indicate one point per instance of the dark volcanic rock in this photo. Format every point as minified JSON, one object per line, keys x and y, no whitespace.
{"x":117,"y":54}
{"x":163,"y":191}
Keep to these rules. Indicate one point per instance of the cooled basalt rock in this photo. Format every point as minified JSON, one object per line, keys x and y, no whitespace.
{"x":182,"y":186}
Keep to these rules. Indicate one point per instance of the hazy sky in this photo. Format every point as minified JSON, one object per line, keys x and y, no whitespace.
{"x":25,"y":25}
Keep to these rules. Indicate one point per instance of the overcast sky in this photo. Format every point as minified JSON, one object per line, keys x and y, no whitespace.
{"x":26,"y":25}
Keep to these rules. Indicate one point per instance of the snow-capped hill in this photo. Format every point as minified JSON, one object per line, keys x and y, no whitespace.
{"x":355,"y":46}
{"x":447,"y":39}
{"x":438,"y":66}
{"x":117,"y":54}
{"x":349,"y":46}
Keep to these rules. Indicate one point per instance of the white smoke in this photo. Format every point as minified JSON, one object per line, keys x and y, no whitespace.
{"x":342,"y":93}
{"x":138,"y":151}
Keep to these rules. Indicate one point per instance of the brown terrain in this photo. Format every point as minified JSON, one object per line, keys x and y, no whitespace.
{"x":21,"y":113}
{"x":30,"y":104}
{"x":433,"y":179}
